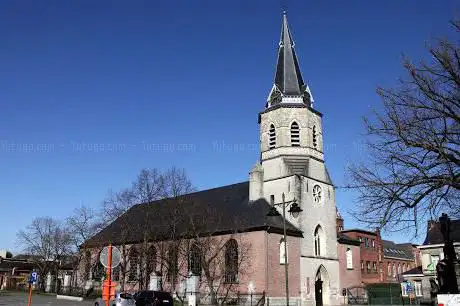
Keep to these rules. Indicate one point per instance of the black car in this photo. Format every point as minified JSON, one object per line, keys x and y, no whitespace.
{"x":153,"y":298}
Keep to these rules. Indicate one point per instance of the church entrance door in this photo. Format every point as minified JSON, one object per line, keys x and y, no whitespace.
{"x":319,"y":292}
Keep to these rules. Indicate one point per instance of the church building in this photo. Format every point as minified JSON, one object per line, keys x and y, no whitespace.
{"x":290,"y":180}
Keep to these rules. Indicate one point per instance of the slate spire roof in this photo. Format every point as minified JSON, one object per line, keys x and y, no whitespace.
{"x":288,"y":78}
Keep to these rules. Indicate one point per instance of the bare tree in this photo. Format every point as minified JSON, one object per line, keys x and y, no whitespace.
{"x":413,"y":168}
{"x":47,"y":241}
{"x":150,"y":185}
{"x":220,"y":260}
{"x":82,"y":225}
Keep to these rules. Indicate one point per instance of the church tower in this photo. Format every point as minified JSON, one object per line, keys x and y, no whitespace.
{"x":292,"y":167}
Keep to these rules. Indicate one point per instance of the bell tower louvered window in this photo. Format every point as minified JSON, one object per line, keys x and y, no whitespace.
{"x":295,"y":135}
{"x":272,"y":137}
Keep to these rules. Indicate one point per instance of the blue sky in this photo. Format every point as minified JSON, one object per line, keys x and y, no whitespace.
{"x":93,"y":91}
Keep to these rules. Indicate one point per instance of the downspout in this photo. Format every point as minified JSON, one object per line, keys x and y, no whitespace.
{"x":266,"y":263}
{"x":299,"y":201}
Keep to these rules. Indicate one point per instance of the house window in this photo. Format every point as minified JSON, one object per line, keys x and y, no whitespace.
{"x":282,"y":252}
{"x":231,"y":261}
{"x":116,"y":274}
{"x":272,"y":137}
{"x":434,"y":261}
{"x":194,"y":265}
{"x":373,"y":243}
{"x":404,"y":289}
{"x":399,"y":268}
{"x":389,"y":269}
{"x":349,"y":256}
{"x":366,"y":242}
{"x":133,"y":264}
{"x":318,"y":241}
{"x":272,"y":199}
{"x":362,"y":265}
{"x":314,"y":137}
{"x":374,"y":267}
{"x":295,"y":135}
{"x":368,"y":266}
{"x":418,"y":288}
{"x":394,"y":270}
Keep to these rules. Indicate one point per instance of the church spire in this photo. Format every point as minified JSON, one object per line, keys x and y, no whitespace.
{"x":288,"y":78}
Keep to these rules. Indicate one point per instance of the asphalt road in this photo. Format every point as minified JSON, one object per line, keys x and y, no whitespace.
{"x":20,"y":299}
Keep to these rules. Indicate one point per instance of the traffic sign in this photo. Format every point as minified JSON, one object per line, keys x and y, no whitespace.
{"x":33,"y":278}
{"x":116,"y":257}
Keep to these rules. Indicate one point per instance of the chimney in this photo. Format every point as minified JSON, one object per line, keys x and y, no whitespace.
{"x":256,"y":182}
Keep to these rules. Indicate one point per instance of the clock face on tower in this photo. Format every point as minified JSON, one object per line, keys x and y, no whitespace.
{"x":317,"y":194}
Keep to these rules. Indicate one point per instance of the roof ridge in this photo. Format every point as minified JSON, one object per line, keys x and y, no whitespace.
{"x":190,"y":193}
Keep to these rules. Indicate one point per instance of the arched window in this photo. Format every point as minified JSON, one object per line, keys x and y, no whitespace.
{"x":272,"y":137}
{"x":282,"y":252}
{"x":116,"y":273}
{"x":231,"y":261}
{"x":151,"y":263}
{"x":87,"y":264}
{"x":295,"y":135}
{"x":194,"y":264}
{"x":133,"y":259}
{"x":314,"y":137}
{"x":349,"y":256}
{"x":98,"y":271}
{"x":319,"y":237}
{"x":172,"y":264}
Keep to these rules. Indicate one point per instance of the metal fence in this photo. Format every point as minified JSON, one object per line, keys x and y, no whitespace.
{"x":379,"y":294}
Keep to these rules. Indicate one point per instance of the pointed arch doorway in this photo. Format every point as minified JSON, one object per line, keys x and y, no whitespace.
{"x":322,"y":287}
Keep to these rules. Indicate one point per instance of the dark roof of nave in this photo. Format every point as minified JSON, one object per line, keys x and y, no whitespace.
{"x":434,"y":234}
{"x":217,"y":211}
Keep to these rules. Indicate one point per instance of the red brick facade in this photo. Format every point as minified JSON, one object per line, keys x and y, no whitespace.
{"x":349,"y":276}
{"x":379,"y":265}
{"x":262,"y":266}
{"x":371,"y":259}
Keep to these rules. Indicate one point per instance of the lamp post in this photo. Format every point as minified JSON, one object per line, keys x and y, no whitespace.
{"x":294,"y":210}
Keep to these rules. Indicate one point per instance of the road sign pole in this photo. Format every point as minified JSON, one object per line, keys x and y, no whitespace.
{"x":30,"y":295}
{"x":109,"y":274}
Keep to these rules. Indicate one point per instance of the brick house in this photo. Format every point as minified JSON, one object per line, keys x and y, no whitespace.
{"x":370,"y":254}
{"x":383,"y":261}
{"x":430,"y":252}
{"x":349,"y":254}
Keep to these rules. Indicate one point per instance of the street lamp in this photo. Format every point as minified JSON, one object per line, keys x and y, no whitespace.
{"x":294,"y":210}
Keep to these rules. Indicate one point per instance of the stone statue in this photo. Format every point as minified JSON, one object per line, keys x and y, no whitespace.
{"x":446,"y":268}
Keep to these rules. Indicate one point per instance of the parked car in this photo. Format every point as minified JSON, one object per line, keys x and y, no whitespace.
{"x":121,"y":299}
{"x":153,"y":298}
